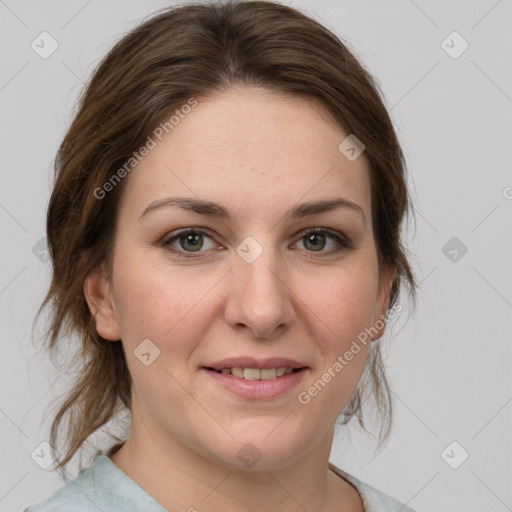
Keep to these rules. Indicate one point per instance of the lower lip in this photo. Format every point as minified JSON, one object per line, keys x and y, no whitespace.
{"x":258,"y":389}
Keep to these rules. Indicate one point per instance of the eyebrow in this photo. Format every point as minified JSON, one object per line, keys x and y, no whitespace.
{"x":212,"y":209}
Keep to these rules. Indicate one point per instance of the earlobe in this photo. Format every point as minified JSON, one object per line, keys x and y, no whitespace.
{"x":98,"y":293}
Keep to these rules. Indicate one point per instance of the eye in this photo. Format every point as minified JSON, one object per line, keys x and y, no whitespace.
{"x":188,"y":241}
{"x":317,"y":239}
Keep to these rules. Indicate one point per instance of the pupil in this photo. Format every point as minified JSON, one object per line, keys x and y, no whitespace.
{"x":191,"y":238}
{"x":313,"y":239}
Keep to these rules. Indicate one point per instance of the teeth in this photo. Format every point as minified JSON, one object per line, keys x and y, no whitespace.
{"x":268,"y":373}
{"x":237,"y":372}
{"x":252,"y":374}
{"x":256,"y":373}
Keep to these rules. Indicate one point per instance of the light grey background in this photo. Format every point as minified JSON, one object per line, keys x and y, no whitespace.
{"x":450,"y":366}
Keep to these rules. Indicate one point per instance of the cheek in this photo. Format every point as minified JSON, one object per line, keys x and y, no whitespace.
{"x":164,"y":305}
{"x":343,"y":306}
{"x":156,"y":308}
{"x":341,"y":311}
{"x":339,"y":316}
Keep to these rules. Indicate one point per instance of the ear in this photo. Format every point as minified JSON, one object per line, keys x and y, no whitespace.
{"x":98,"y":293}
{"x":382,"y":302}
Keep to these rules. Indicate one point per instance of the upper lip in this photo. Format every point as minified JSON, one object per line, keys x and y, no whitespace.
{"x":250,"y":362}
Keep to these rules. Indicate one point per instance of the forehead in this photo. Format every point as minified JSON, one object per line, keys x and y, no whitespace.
{"x":250,"y":149}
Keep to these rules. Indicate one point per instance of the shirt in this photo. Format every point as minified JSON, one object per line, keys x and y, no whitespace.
{"x":105,"y":488}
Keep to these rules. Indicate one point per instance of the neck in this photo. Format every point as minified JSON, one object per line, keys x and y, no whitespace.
{"x":181,"y":479}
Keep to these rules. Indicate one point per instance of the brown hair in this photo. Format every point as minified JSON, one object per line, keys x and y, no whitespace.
{"x":179,"y":53}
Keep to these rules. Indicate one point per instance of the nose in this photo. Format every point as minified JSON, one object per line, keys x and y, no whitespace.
{"x":260,"y":300}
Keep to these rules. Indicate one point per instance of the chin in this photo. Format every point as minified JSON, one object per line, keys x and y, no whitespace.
{"x":259,"y":451}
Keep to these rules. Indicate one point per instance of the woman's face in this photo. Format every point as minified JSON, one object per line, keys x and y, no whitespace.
{"x":249,"y":287}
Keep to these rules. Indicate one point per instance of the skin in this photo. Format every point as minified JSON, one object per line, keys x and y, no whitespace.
{"x":257,"y":153}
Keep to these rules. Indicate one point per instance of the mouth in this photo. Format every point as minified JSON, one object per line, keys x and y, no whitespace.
{"x":257,"y":379}
{"x":256,"y":373}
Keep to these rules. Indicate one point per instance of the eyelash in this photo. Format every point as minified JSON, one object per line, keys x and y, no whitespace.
{"x":343,"y":242}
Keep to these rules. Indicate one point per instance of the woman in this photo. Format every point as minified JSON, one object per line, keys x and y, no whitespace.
{"x":225,"y":237}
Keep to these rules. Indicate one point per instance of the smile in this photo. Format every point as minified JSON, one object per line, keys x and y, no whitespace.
{"x":255,"y":383}
{"x":256,"y":373}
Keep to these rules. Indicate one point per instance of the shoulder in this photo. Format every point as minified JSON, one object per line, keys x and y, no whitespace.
{"x":373,"y":499}
{"x":78,"y":495}
{"x":103,"y":487}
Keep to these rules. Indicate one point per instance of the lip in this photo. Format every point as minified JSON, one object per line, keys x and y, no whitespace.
{"x":256,"y":389}
{"x":250,"y":362}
